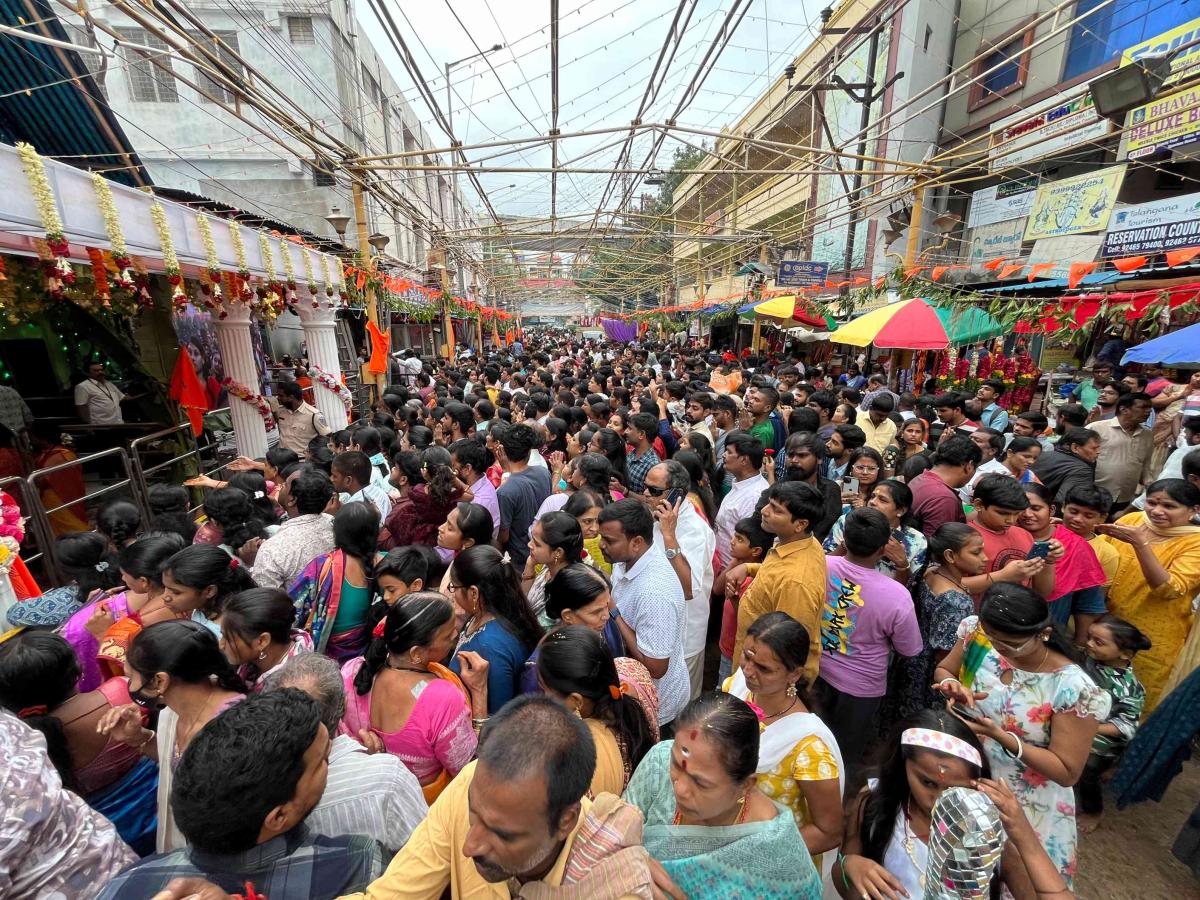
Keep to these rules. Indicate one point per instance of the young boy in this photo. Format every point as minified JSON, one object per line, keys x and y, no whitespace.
{"x":867,"y":617}
{"x":749,"y":545}
{"x":999,"y":502}
{"x":400,"y":572}
{"x":1083,"y":508}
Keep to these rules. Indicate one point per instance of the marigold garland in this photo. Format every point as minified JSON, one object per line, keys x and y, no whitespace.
{"x":271,"y":293}
{"x":100,"y":274}
{"x":212,"y":290}
{"x":243,"y":271}
{"x":170,"y":260}
{"x":332,"y":385}
{"x":112,"y":228}
{"x":289,"y":270}
{"x":58,"y":267}
{"x":325,"y":276}
{"x":258,"y":401}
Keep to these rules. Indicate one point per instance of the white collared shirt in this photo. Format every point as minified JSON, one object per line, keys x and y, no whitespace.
{"x":697,"y":543}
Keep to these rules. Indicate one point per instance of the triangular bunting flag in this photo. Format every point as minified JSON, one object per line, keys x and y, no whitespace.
{"x":913,"y":270}
{"x":880,"y":282}
{"x":938,"y":272}
{"x":1079,"y":270}
{"x":1010,"y":270}
{"x":1129,"y":263}
{"x":1179,"y":257}
{"x":1037,"y":269}
{"x":993,"y":264}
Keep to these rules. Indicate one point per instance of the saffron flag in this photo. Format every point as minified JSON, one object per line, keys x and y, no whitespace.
{"x":378,"y":363}
{"x":186,"y":390}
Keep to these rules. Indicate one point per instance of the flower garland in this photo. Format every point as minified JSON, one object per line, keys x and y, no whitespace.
{"x":243,"y":271}
{"x":100,"y":275}
{"x":326,"y":277}
{"x":331,"y":384}
{"x":310,"y":276}
{"x":258,"y":401}
{"x":289,"y":271}
{"x":9,"y":549}
{"x":170,"y":260}
{"x":58,"y":267}
{"x":212,"y":290}
{"x":112,"y":227}
{"x":12,"y":523}
{"x":270,"y":293}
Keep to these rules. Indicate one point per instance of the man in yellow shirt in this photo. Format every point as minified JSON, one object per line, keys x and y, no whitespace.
{"x":516,"y":816}
{"x":791,"y":578}
{"x":877,"y":424}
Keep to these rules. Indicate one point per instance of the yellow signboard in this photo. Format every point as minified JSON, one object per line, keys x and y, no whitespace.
{"x":1164,"y":43}
{"x":1074,"y":205}
{"x":1167,"y":122}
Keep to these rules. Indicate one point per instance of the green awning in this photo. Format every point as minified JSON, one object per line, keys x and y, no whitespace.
{"x":968,"y":324}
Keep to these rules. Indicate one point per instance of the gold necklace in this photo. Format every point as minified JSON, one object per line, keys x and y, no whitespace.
{"x":910,"y":837}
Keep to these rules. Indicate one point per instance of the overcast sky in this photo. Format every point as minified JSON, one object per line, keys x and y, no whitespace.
{"x":607,"y":51}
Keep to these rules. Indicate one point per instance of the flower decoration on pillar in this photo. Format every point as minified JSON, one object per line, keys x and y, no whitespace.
{"x":170,"y":260}
{"x":311,"y":276}
{"x":112,"y":228}
{"x":289,"y":271}
{"x":326,"y":276}
{"x":244,"y":294}
{"x":270,"y":293}
{"x":333,"y":385}
{"x":258,"y":401}
{"x":100,"y":274}
{"x":58,"y":268}
{"x":210,"y":289}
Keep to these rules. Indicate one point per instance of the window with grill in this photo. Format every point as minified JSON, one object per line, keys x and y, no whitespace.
{"x":300,"y":30}
{"x":149,"y":82}
{"x":227,"y":49}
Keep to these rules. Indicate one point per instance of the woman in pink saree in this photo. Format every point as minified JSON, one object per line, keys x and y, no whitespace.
{"x":402,"y":700}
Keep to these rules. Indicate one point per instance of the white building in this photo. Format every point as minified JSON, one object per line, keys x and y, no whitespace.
{"x":322,"y":58}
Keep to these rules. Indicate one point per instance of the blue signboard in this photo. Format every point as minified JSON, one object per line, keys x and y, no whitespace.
{"x":801,"y":273}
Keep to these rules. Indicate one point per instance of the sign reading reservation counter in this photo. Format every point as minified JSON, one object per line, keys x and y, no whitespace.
{"x":1154,"y":227}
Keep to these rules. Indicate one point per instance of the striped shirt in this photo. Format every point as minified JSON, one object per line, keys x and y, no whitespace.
{"x":371,"y":794}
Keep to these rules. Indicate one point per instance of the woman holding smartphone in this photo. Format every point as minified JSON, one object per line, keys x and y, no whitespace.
{"x":863,"y":470}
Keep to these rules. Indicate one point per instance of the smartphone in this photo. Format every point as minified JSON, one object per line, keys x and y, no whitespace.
{"x":674,"y":495}
{"x":849,"y":485}
{"x":1039,"y":550}
{"x":967,"y":712}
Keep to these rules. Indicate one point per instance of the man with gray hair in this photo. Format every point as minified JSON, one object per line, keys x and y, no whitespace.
{"x":689,"y":543}
{"x":371,"y":794}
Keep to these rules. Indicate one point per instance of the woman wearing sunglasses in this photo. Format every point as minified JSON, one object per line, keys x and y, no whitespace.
{"x":1012,"y":678}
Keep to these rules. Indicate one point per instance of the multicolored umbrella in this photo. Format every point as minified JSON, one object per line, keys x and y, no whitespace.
{"x":915,"y":324}
{"x":789,"y":307}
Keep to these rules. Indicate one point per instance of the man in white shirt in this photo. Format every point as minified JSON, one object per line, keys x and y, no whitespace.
{"x":98,"y":400}
{"x":743,"y":460}
{"x":351,"y":476}
{"x":688,"y":545}
{"x":647,"y":601}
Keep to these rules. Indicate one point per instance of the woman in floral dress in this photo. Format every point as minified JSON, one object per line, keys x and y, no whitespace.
{"x":1040,"y":709}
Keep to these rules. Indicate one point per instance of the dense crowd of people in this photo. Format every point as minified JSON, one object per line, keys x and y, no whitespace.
{"x":618,"y":621}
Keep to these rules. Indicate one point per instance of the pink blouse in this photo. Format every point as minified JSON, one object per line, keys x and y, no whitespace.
{"x":438,"y":734}
{"x":116,"y":758}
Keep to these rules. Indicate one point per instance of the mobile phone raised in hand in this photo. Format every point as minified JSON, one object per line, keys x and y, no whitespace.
{"x":1039,"y":550}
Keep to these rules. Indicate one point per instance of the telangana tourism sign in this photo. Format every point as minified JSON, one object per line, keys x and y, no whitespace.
{"x":1154,"y":227}
{"x":1167,"y":122}
{"x":1044,"y":129}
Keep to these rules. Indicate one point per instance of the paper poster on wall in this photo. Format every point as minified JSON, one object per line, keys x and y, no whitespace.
{"x":990,"y":241}
{"x":1062,"y":251}
{"x":1001,"y":202}
{"x":1154,"y":227}
{"x":1075,"y":205}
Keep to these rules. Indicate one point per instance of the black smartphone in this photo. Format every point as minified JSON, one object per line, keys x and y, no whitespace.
{"x":967,"y":712}
{"x":1039,"y":550}
{"x":674,"y":495}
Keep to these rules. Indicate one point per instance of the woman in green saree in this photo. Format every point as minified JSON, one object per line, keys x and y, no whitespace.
{"x":709,"y":830}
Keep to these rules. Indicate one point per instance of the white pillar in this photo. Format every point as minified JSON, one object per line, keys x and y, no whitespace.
{"x":318,"y":327}
{"x":237,"y":354}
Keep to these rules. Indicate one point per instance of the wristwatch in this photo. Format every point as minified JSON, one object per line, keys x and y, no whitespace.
{"x":673,"y":552}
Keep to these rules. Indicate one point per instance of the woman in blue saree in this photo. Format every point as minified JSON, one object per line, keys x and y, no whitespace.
{"x":709,"y":830}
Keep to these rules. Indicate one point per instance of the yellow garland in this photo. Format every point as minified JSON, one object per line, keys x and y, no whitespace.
{"x":308,"y":267}
{"x":325,"y":271}
{"x":239,"y":247}
{"x":212,"y":261}
{"x":289,"y":265}
{"x":268,"y":257}
{"x":108,"y":209}
{"x":39,"y":187}
{"x":170,"y":260}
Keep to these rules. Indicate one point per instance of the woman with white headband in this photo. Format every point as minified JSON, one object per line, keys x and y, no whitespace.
{"x":884,"y":848}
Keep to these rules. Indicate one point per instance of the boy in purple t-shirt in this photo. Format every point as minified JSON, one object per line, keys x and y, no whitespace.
{"x":867,"y":615}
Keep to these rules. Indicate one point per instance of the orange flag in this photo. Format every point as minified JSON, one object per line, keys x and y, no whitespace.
{"x":186,"y":390}
{"x":880,"y":282}
{"x":378,"y":363}
{"x":993,"y":264}
{"x":1079,"y":270}
{"x":1010,"y":270}
{"x":1179,"y":257}
{"x":1038,"y":268}
{"x":912,"y":270}
{"x":1129,"y":263}
{"x":938,"y":272}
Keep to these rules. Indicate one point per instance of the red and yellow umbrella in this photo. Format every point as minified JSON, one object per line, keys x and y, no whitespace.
{"x":909,"y":325}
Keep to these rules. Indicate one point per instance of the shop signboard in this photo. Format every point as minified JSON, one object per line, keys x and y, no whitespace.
{"x":1167,"y":122}
{"x":990,"y":241}
{"x":801,"y":273}
{"x":1001,"y":202}
{"x":1045,"y":129}
{"x":1154,"y":227}
{"x":1183,"y":63}
{"x":1077,"y":205}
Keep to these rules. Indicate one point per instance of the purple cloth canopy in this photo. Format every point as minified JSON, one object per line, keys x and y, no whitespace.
{"x":618,"y":330}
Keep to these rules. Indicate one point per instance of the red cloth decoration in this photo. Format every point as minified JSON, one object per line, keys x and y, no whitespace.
{"x":1079,"y":270}
{"x":378,"y":363}
{"x":186,"y":390}
{"x":1129,"y":263}
{"x":1038,"y":268}
{"x":1179,"y":257}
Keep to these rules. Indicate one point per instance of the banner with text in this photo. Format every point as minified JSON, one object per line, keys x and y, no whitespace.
{"x":1165,"y":123}
{"x":988,"y":242}
{"x":1184,"y":63}
{"x":1045,"y":129}
{"x":801,"y":273}
{"x":1062,"y":251}
{"x":1075,"y":205}
{"x":1154,"y":227}
{"x":1001,"y":202}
